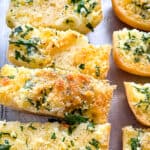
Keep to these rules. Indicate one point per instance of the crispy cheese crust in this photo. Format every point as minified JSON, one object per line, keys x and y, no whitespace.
{"x":55,"y":92}
{"x":135,"y":13}
{"x":44,"y":47}
{"x":139,"y":101}
{"x":80,"y":15}
{"x":53,"y":136}
{"x":131,"y":51}
{"x":135,"y":138}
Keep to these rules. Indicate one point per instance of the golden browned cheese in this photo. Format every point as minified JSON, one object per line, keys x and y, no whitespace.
{"x":55,"y":92}
{"x":80,"y":15}
{"x":138,"y":96}
{"x":131,"y":51}
{"x":53,"y":136}
{"x":136,"y":138}
{"x":44,"y":47}
{"x":135,"y":13}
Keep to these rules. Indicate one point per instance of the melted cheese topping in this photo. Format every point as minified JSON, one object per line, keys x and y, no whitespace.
{"x":53,"y":136}
{"x":45,"y":47}
{"x":132,"y":47}
{"x":55,"y":92}
{"x":134,"y":138}
{"x":138,"y":9}
{"x":139,"y":100}
{"x":80,"y":15}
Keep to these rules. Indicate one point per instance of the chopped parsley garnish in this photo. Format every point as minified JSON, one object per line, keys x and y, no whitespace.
{"x":82,"y":7}
{"x":18,"y":56}
{"x":29,"y":1}
{"x":10,"y":77}
{"x":88,"y":148}
{"x":97,"y":71}
{"x":71,"y":129}
{"x":21,"y":128}
{"x":18,"y":30}
{"x":91,"y":126}
{"x":53,"y":136}
{"x":63,"y":140}
{"x":72,"y":143}
{"x":32,"y":127}
{"x":95,"y":143}
{"x":5,"y":146}
{"x":28,"y":29}
{"x":89,"y":25}
{"x":82,"y":66}
{"x":146,"y":101}
{"x":29,"y":44}
{"x":135,"y":143}
{"x":73,"y":119}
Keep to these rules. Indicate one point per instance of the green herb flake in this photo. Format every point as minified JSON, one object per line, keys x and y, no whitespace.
{"x":28,"y":29}
{"x":135,"y":143}
{"x":97,"y":71}
{"x":18,"y":30}
{"x":63,"y":140}
{"x":32,"y":127}
{"x":72,"y":143}
{"x":21,"y":128}
{"x":91,"y":126}
{"x":71,"y":129}
{"x":88,"y":148}
{"x":53,"y":136}
{"x":73,"y":119}
{"x":5,"y":147}
{"x":82,"y":66}
{"x":95,"y":143}
{"x":18,"y":56}
{"x":89,"y":25}
{"x":29,"y":1}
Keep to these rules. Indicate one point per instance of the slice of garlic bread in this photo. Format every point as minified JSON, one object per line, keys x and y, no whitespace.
{"x":53,"y":136}
{"x":135,"y":13}
{"x":55,"y":92}
{"x":80,"y":15}
{"x":138,"y":97}
{"x":136,"y":139}
{"x":44,"y":47}
{"x":131,"y":51}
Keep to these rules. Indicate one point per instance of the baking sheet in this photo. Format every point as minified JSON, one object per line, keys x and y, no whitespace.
{"x":120,"y":114}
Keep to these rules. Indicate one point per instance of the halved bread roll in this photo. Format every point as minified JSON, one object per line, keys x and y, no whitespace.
{"x":138,"y":97}
{"x":53,"y":136}
{"x":131,"y":51}
{"x":44,"y":47}
{"x":136,"y":138}
{"x":80,"y":15}
{"x":55,"y":92}
{"x":135,"y":13}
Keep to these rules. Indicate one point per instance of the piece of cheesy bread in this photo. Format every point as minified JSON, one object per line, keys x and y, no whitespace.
{"x":53,"y":136}
{"x":138,"y":97}
{"x":131,"y":51}
{"x":80,"y":15}
{"x":44,"y":47}
{"x":55,"y":92}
